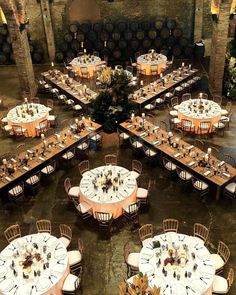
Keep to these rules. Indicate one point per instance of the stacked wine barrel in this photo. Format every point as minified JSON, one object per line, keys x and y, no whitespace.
{"x":6,"y":54}
{"x":122,"y":40}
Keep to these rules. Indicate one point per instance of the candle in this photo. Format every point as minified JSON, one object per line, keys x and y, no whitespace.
{"x":209,"y":151}
{"x":83,"y":118}
{"x":82,"y":44}
{"x":52,"y":64}
{"x":42,"y":136}
{"x":45,"y":143}
{"x":4,"y":161}
{"x":182,"y":64}
{"x":132,"y":117}
{"x":190,"y":66}
{"x":84,"y":50}
{"x":143,"y":115}
{"x":26,"y":99}
{"x":141,"y":82}
{"x":201,"y":95}
{"x":170,"y":134}
{"x":76,"y":121}
{"x":206,"y":157}
{"x":105,"y":43}
{"x":161,"y":75}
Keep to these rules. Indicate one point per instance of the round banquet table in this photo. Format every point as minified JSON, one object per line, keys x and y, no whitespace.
{"x":43,"y":278}
{"x":111,"y":201}
{"x":177,"y":279}
{"x":89,"y":63}
{"x":145,"y":62}
{"x":189,"y":110}
{"x":19,"y":116}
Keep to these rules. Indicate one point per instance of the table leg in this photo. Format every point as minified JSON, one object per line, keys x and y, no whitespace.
{"x":218,"y":191}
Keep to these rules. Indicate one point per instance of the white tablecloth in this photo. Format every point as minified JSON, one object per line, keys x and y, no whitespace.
{"x":50,"y":279}
{"x":147,"y":60}
{"x":113,"y":200}
{"x":28,"y":116}
{"x":85,"y":61}
{"x":201,"y":279}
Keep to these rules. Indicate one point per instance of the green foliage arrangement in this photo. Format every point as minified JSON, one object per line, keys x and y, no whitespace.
{"x":230,"y":71}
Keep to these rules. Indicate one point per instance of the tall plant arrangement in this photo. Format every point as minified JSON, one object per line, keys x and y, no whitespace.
{"x":230,"y":71}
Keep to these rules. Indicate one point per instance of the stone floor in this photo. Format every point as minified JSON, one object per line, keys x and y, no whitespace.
{"x":104,"y":266}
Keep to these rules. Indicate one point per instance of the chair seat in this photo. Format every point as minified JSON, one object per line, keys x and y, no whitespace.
{"x":188,"y":125}
{"x":74,"y":191}
{"x":16,"y":190}
{"x":4,"y":120}
{"x":219,"y":125}
{"x":96,"y":137}
{"x":142,"y":193}
{"x":149,"y":107}
{"x":69,"y":284}
{"x":231,"y":187}
{"x":137,"y":144}
{"x":77,"y":107}
{"x":133,"y":259}
{"x":200,"y":185}
{"x":176,"y":120}
{"x":68,"y":155}
{"x":32,"y":180}
{"x":51,"y":118}
{"x":176,"y":107}
{"x":62,"y":97}
{"x":185,"y":175}
{"x":48,"y":169}
{"x":126,"y":209}
{"x":146,"y":241}
{"x":8,"y":127}
{"x":124,"y":135}
{"x":84,"y":207}
{"x":160,"y":100}
{"x":224,"y":119}
{"x":220,"y":285}
{"x":65,"y":241}
{"x":134,"y":174}
{"x":169,"y":94}
{"x":150,"y":153}
{"x":83,"y":146}
{"x":69,"y":101}
{"x":74,"y":257}
{"x":173,"y":113}
{"x":217,"y":261}
{"x":179,"y":88}
{"x":54,"y":90}
{"x":170,"y":166}
{"x":224,"y":112}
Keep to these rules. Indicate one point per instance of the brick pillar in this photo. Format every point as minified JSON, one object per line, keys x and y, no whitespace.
{"x":21,"y":51}
{"x":198,"y":20}
{"x":218,"y":48}
{"x":47,"y":21}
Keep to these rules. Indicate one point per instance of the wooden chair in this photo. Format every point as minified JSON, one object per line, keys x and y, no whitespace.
{"x":170,"y":166}
{"x":221,"y":257}
{"x":170,"y":225}
{"x":146,"y":234}
{"x":131,"y":260}
{"x":111,"y":159}
{"x":215,"y":152}
{"x":183,"y":175}
{"x":43,"y":226}
{"x":131,"y":212}
{"x":17,"y":192}
{"x":72,"y":283}
{"x":84,"y":210}
{"x":217,"y":99}
{"x":69,"y":155}
{"x":164,"y":126}
{"x":72,"y":192}
{"x":83,"y":167}
{"x":230,"y":190}
{"x":19,"y":131}
{"x":143,"y":194}
{"x":42,"y":127}
{"x":136,"y":144}
{"x":200,"y":231}
{"x":174,"y":101}
{"x":186,"y":96}
{"x":33,"y":182}
{"x":122,"y":136}
{"x":75,"y":257}
{"x":49,"y":169}
{"x":35,"y":100}
{"x":154,"y":70}
{"x":187,"y":126}
{"x":200,"y":186}
{"x":50,"y":103}
{"x":204,"y":127}
{"x":199,"y":144}
{"x":12,"y":232}
{"x":136,"y":169}
{"x":66,"y":234}
{"x":105,"y":220}
{"x":84,"y":72}
{"x":222,"y":285}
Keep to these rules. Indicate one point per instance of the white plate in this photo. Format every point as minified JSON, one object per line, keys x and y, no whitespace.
{"x":60,"y":254}
{"x":7,"y":252}
{"x":3,"y":271}
{"x":43,"y":284}
{"x":158,"y":282}
{"x":24,"y":289}
{"x":6,"y":285}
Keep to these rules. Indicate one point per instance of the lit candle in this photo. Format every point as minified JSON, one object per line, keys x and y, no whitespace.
{"x":105,"y":43}
{"x":42,"y":136}
{"x":76,"y":121}
{"x":52,"y":64}
{"x":26,"y":99}
{"x":84,"y":50}
{"x":141,"y":82}
{"x":132,"y":117}
{"x":143,"y":115}
{"x":209,"y":151}
{"x":170,"y":134}
{"x":190,"y":66}
{"x":161,"y":75}
{"x":82,"y":44}
{"x":45,"y":143}
{"x":83,"y":118}
{"x":4,"y":161}
{"x":182,"y":64}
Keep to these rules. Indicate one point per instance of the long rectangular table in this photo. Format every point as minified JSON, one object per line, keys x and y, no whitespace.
{"x":158,"y":90}
{"x":71,"y":92}
{"x":33,"y":164}
{"x":157,"y":140}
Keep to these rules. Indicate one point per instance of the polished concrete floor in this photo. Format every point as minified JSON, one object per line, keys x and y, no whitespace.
{"x":104,"y":266}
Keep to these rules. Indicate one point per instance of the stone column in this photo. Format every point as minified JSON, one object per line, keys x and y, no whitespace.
{"x":218,"y":48}
{"x":47,"y":21}
{"x":21,"y":51}
{"x":198,"y":20}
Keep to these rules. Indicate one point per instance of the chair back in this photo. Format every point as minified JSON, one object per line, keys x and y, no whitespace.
{"x":137,"y":166}
{"x":127,"y":250}
{"x":186,"y":96}
{"x":205,"y":126}
{"x":146,"y":231}
{"x":80,"y":246}
{"x":111,"y":159}
{"x":186,"y":125}
{"x":181,"y":173}
{"x":204,"y":96}
{"x":65,"y":231}
{"x":12,"y":232}
{"x":174,"y":101}
{"x":67,"y":185}
{"x":35,"y":100}
{"x":84,"y":70}
{"x":199,"y":144}
{"x":223,"y":251}
{"x":229,"y":159}
{"x":129,"y":69}
{"x":20,"y":148}
{"x":17,"y":130}
{"x":83,"y":166}
{"x":43,"y":226}
{"x":50,"y":103}
{"x":200,"y":231}
{"x":164,"y":125}
{"x":103,"y":217}
{"x":217,"y":99}
{"x":133,"y":208}
{"x":229,"y":106}
{"x":154,"y":68}
{"x":96,"y":53}
{"x":43,"y":125}
{"x":215,"y":152}
{"x":170,"y":225}
{"x":230,"y":278}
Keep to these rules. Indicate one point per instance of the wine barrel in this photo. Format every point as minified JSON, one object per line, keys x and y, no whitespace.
{"x":109,"y":27}
{"x":128,"y":53}
{"x":73,"y":27}
{"x":64,"y":47}
{"x":158,"y":24}
{"x":171,"y":24}
{"x":85,"y":26}
{"x":116,"y":36}
{"x":128,"y":35}
{"x":122,"y":44}
{"x":31,"y":47}
{"x":152,"y":34}
{"x":133,"y":26}
{"x":75,"y":45}
{"x":104,"y":36}
{"x":188,"y":51}
{"x":6,"y":48}
{"x":37,"y":57}
{"x":3,"y":30}
{"x":80,"y":36}
{"x":140,"y":35}
{"x":92,"y":36}
{"x":68,"y":37}
{"x":88,"y":45}
{"x":141,"y":51}
{"x":70,"y":55}
{"x":121,"y":26}
{"x":59,"y":56}
{"x":164,"y":50}
{"x":158,"y":43}
{"x":111,"y":45}
{"x":99,"y":45}
{"x":105,"y":52}
{"x":145,"y":25}
{"x":177,"y":32}
{"x":3,"y":58}
{"x":12,"y":58}
{"x":177,"y":51}
{"x":165,"y":33}
{"x":116,"y":53}
{"x":1,"y":39}
{"x":134,"y":44}
{"x":199,"y":50}
{"x":183,"y":42}
{"x":171,"y":41}
{"x":8,"y":39}
{"x":98,"y":27}
{"x":147,"y":43}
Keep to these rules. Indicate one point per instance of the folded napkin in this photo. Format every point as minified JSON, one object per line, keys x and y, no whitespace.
{"x":76,"y":136}
{"x":226,"y":174}
{"x":190,"y":147}
{"x":130,"y":126}
{"x":41,"y":158}
{"x":207,"y":173}
{"x":156,"y":127}
{"x":13,"y":160}
{"x":143,"y":134}
{"x":191,"y":164}
{"x":29,"y":151}
{"x":26,"y":168}
{"x":8,"y":178}
{"x":221,"y":163}
{"x":61,"y":145}
{"x":157,"y":142}
{"x":144,"y":98}
{"x":177,"y":155}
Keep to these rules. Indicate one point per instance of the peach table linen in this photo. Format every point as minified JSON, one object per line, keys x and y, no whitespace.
{"x":145,"y":64}
{"x":90,"y":65}
{"x":112,"y":201}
